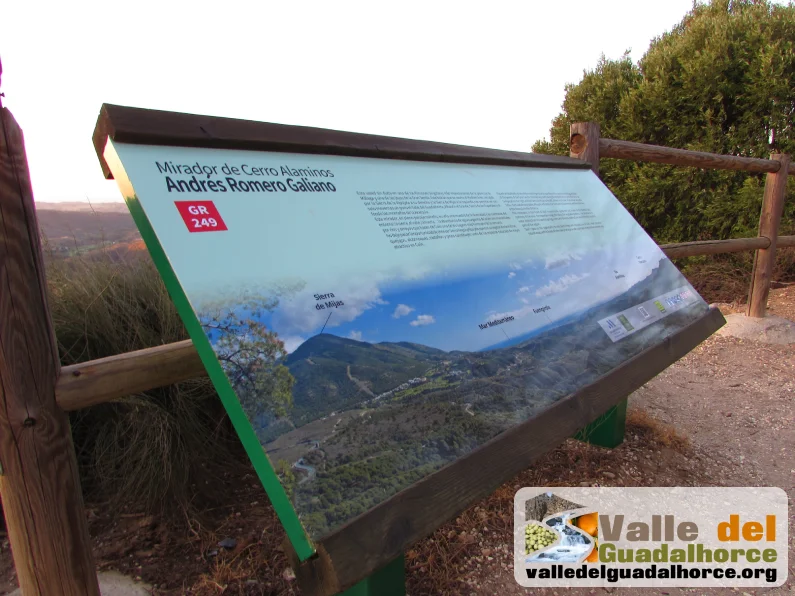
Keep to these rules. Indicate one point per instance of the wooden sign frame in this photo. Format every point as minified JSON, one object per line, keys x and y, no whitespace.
{"x":375,"y":538}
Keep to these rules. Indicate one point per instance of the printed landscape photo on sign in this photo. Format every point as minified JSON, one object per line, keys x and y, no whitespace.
{"x":377,"y":319}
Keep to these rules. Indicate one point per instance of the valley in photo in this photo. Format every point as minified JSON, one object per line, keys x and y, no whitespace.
{"x":348,"y":422}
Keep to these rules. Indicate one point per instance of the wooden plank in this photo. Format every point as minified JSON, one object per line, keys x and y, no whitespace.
{"x":97,"y":381}
{"x":376,"y":537}
{"x":39,"y":483}
{"x":584,"y":143}
{"x":682,"y":157}
{"x":155,"y":127}
{"x":316,"y":575}
{"x":785,"y":242}
{"x":769,"y":220}
{"x":713,"y":247}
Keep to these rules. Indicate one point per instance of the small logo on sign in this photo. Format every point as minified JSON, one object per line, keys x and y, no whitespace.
{"x":200,"y":216}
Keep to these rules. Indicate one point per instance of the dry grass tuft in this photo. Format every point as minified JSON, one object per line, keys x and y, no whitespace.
{"x":162,"y":450}
{"x":652,"y":430}
{"x":726,"y":277}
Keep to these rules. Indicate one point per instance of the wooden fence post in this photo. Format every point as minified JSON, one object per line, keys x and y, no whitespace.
{"x":584,"y":143}
{"x":39,"y":484}
{"x":769,"y":220}
{"x":608,"y":430}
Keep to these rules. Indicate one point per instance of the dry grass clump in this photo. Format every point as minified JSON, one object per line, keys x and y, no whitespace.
{"x":155,"y":451}
{"x":653,"y":431}
{"x":726,"y":277}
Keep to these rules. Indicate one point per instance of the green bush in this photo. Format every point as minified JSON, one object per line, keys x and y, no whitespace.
{"x":722,"y":81}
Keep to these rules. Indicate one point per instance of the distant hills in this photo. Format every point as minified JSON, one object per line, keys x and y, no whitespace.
{"x":71,"y":228}
{"x":335,"y":373}
{"x":85,"y":206}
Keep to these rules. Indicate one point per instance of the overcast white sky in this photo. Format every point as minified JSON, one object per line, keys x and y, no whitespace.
{"x":489,"y":73}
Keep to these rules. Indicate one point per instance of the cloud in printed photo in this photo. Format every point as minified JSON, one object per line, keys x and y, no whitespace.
{"x":423,"y":320}
{"x":291,"y":342}
{"x":401,"y":311}
{"x":561,"y":260}
{"x":560,"y":285}
{"x":299,"y":315}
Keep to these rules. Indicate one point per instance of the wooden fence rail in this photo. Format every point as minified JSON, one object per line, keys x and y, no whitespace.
{"x":586,"y":143}
{"x":681,"y":157}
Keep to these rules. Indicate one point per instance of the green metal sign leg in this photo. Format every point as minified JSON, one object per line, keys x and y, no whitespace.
{"x":608,"y":429}
{"x":387,"y":581}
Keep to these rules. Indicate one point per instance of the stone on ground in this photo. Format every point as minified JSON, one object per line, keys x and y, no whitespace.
{"x":769,"y":330}
{"x":112,"y":583}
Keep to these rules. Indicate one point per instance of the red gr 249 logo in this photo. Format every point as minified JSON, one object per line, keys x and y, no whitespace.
{"x":200,"y":216}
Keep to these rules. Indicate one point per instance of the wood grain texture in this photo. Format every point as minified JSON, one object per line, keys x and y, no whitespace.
{"x":97,"y":381}
{"x":40,"y":488}
{"x":155,"y":127}
{"x":584,"y":143}
{"x":682,"y":157}
{"x":316,"y":575}
{"x":785,"y":241}
{"x":376,"y":537}
{"x":713,"y":247}
{"x":769,"y":220}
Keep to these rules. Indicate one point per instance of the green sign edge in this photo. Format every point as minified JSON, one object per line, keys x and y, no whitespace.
{"x":262,"y":465}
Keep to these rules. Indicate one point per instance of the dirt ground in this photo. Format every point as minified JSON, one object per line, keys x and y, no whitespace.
{"x":722,"y":416}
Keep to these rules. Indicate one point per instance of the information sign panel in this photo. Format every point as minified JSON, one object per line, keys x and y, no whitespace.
{"x":378,"y":319}
{"x":395,"y":327}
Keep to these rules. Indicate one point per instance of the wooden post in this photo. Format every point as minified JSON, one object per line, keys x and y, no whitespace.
{"x":608,"y":430}
{"x":769,"y":220}
{"x":584,"y":143}
{"x":39,"y":484}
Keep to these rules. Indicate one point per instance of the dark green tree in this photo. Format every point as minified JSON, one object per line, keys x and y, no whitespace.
{"x":722,"y":80}
{"x":252,"y":357}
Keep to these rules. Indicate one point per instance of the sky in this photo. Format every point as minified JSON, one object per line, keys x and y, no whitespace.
{"x":489,"y":74}
{"x":447,"y":315}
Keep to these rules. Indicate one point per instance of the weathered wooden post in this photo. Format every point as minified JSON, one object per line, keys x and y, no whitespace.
{"x":769,"y":220}
{"x":608,"y":429}
{"x":39,"y":484}
{"x":584,"y":143}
